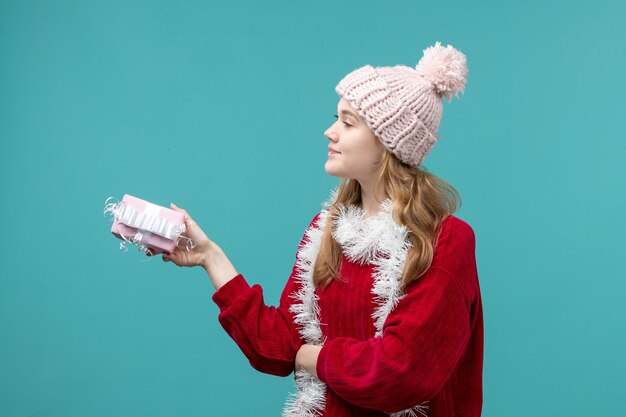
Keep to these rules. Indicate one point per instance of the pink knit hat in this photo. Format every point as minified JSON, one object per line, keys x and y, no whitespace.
{"x":403,"y":105}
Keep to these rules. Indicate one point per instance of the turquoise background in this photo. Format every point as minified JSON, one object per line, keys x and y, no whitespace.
{"x":220,"y":107}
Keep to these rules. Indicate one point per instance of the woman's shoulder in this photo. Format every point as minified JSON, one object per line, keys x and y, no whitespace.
{"x":454,"y":225}
{"x":312,"y":229}
{"x":455,"y":252}
{"x":318,"y":219}
{"x":455,"y":236}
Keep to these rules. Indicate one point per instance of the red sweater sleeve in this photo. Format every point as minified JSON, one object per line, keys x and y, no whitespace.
{"x":423,"y":338}
{"x":267,"y":335}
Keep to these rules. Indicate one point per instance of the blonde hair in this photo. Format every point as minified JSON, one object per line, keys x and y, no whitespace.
{"x":421,"y":201}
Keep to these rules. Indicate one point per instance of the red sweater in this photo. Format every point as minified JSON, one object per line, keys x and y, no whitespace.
{"x":432,"y":344}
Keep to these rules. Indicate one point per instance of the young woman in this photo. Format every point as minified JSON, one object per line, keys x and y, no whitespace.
{"x":382,"y":313}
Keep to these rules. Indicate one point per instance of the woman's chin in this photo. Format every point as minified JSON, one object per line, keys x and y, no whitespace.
{"x":330,"y":170}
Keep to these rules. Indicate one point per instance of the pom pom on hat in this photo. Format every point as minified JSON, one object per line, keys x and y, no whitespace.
{"x":445,"y":68}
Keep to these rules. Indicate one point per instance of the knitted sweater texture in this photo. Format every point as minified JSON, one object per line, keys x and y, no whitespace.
{"x":429,"y":350}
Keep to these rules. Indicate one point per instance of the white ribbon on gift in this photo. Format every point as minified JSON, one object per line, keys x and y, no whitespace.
{"x":147,"y":222}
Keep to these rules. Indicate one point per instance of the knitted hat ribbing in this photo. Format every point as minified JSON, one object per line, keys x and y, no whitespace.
{"x":403,"y":105}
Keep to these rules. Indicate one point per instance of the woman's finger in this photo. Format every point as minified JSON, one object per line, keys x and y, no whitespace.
{"x":188,"y":220}
{"x":175,"y":207}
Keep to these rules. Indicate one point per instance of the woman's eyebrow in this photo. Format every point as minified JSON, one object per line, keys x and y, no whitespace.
{"x":348,"y":112}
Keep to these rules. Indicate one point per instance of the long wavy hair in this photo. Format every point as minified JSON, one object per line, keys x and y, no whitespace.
{"x":421,"y":201}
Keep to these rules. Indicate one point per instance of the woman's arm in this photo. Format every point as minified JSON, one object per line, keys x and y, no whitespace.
{"x":218,"y":266}
{"x":423,"y":339}
{"x":267,"y":335}
{"x":306,"y":358}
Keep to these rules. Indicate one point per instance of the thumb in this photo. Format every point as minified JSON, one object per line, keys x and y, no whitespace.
{"x":188,"y":220}
{"x":178,"y":209}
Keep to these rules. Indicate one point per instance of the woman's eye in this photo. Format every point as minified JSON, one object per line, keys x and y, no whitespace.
{"x":347,"y":125}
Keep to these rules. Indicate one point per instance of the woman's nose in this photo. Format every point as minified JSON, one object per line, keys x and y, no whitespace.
{"x":330,"y":133}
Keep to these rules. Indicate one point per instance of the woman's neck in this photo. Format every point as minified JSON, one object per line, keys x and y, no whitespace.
{"x":370,"y":202}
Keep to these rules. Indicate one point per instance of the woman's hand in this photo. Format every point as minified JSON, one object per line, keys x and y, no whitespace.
{"x":306,"y":358}
{"x":201,"y":244}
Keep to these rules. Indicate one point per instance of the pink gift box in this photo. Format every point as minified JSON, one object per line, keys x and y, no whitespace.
{"x":155,"y":226}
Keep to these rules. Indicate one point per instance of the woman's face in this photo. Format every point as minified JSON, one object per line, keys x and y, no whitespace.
{"x":357,"y":146}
